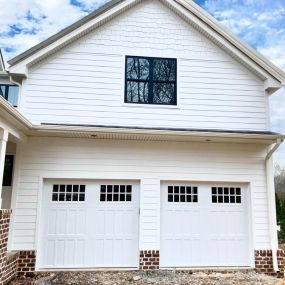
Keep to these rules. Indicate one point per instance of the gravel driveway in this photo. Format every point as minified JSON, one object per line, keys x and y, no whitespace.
{"x":157,"y":277}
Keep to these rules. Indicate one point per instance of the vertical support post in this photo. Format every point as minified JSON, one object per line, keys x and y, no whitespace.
{"x":3,"y":144}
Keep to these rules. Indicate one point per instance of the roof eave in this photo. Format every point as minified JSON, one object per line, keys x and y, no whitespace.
{"x":157,"y":133}
{"x":63,"y":32}
{"x":122,"y":132}
{"x":10,"y":112}
{"x":257,"y":57}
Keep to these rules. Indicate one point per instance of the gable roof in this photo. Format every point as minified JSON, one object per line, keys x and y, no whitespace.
{"x":188,"y":10}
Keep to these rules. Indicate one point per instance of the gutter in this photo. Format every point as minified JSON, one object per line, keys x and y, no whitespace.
{"x":271,"y":203}
{"x":46,"y":129}
{"x":21,"y":122}
{"x":7,"y":107}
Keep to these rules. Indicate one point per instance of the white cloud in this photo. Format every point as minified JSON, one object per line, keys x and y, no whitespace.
{"x":261,"y":24}
{"x":24,"y":23}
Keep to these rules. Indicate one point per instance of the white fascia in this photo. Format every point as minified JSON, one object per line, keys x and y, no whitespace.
{"x":22,"y":67}
{"x":244,"y":49}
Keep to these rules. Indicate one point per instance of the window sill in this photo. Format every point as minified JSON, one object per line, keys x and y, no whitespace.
{"x":151,"y":106}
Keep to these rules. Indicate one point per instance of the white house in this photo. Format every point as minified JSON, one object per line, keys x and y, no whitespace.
{"x":141,"y":139}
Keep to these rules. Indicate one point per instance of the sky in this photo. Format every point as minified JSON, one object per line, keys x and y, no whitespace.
{"x":261,"y":24}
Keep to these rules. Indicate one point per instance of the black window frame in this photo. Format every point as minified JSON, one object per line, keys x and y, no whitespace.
{"x":68,"y":193}
{"x":116,"y":193}
{"x":183,"y":194}
{"x":151,"y":81}
{"x":6,"y":95}
{"x":227,"y":195}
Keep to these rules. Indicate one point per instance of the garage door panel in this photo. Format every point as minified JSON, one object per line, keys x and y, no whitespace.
{"x":69,"y":250}
{"x":178,"y":222}
{"x":233,"y":251}
{"x":60,"y":252}
{"x":212,"y":231}
{"x":92,"y":232}
{"x":52,"y":222}
{"x":66,"y":221}
{"x":49,"y":253}
{"x":64,"y":252}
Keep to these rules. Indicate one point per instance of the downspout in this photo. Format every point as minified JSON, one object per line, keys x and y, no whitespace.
{"x":271,"y":203}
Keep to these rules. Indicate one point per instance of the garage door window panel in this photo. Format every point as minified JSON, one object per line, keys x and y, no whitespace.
{"x":182,"y":194}
{"x":226,"y":195}
{"x":116,"y":193}
{"x":68,"y":193}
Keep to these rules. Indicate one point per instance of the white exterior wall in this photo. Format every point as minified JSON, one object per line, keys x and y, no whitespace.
{"x":84,"y":82}
{"x":149,"y":162}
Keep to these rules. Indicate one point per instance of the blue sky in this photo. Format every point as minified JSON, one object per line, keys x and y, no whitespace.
{"x":24,"y":23}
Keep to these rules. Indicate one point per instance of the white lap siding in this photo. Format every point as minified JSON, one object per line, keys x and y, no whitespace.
{"x":148,"y":162}
{"x":84,"y":82}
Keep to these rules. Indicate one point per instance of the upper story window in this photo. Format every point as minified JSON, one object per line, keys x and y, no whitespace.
{"x":10,"y":93}
{"x":151,"y":80}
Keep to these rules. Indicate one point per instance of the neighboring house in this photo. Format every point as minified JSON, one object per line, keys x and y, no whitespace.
{"x":142,"y":139}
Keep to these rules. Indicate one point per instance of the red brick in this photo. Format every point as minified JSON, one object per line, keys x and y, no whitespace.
{"x":149,"y":259}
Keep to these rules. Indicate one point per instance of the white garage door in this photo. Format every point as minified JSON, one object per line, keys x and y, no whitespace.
{"x":86,"y":225}
{"x":204,"y":225}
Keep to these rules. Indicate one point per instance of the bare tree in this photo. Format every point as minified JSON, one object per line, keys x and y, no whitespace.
{"x":279,"y":179}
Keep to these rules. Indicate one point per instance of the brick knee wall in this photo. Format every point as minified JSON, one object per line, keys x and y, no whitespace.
{"x":264,"y":262}
{"x":8,"y":263}
{"x":11,"y":268}
{"x":4,"y":231}
{"x":149,"y":259}
{"x":26,"y":263}
{"x":15,"y":263}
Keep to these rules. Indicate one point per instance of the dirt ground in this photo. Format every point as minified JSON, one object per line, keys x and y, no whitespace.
{"x":156,"y":277}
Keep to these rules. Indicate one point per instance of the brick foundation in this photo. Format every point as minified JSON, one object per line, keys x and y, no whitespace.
{"x":13,"y":264}
{"x":149,"y":259}
{"x":26,"y":263}
{"x":264,"y":262}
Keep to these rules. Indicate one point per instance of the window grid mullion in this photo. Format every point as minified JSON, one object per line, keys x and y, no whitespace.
{"x":150,"y":85}
{"x":138,"y":80}
{"x":139,"y":72}
{"x":150,"y":81}
{"x":164,"y":82}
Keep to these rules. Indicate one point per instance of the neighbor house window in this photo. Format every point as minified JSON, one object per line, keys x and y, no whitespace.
{"x":151,"y":80}
{"x":10,"y":93}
